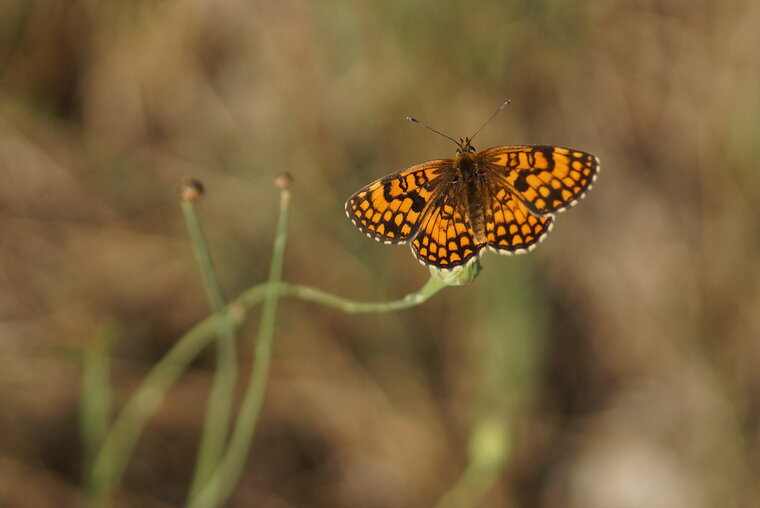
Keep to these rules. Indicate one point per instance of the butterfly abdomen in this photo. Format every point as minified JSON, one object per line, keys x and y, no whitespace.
{"x":475,"y":212}
{"x":471,"y":183}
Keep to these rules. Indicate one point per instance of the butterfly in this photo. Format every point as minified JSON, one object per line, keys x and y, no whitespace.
{"x":503,"y":198}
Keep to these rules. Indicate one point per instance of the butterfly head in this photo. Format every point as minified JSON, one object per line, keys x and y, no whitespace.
{"x":465,"y":147}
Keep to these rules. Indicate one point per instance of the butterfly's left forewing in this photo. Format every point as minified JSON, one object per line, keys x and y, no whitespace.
{"x":547,"y":179}
{"x":391,"y":209}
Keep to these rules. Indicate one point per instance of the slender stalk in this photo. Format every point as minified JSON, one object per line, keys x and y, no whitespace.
{"x":202,"y":254}
{"x":489,"y":451}
{"x":221,"y":484}
{"x":96,"y":399}
{"x":431,"y":287}
{"x":120,"y":441}
{"x":219,"y":408}
{"x":118,"y":444}
{"x":505,"y":375}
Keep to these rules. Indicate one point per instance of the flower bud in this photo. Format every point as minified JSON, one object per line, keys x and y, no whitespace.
{"x":458,"y":276}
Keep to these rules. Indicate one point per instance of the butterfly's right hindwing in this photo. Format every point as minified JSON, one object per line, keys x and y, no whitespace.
{"x":445,"y":238}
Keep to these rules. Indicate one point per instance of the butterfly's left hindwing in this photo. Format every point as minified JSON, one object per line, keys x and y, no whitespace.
{"x":510,"y":227}
{"x":390,"y":209}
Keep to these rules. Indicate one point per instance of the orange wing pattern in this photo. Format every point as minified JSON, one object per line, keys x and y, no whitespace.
{"x":510,"y":227}
{"x":391,"y":209}
{"x":547,"y":179}
{"x":503,"y":198}
{"x":445,"y":238}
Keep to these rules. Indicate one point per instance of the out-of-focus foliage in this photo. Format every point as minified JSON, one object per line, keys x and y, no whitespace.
{"x":622,"y":354}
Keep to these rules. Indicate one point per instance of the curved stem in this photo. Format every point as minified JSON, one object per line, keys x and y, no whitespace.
{"x":221,"y":483}
{"x":431,"y":287}
{"x":490,"y":449}
{"x":111,"y":461}
{"x":219,"y":408}
{"x":120,"y":441}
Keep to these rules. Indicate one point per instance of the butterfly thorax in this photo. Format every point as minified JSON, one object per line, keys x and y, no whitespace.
{"x":470,"y":183}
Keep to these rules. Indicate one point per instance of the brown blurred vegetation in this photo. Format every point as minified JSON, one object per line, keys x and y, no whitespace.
{"x":624,"y":351}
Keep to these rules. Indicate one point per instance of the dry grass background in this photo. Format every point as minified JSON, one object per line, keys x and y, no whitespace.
{"x":624,"y":352}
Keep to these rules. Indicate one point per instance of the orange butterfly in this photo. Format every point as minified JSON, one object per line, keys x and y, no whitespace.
{"x":503,"y":198}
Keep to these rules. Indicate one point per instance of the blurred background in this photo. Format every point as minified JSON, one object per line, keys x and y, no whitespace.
{"x":620,"y":358}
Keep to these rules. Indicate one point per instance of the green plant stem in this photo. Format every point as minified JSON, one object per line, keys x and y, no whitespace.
{"x":490,"y":450}
{"x":202,"y":254}
{"x":219,"y":408}
{"x":221,"y":484}
{"x":95,"y":409}
{"x":123,"y":434}
{"x":431,"y":287}
{"x":505,"y":374}
{"x":120,"y":441}
{"x":118,"y":444}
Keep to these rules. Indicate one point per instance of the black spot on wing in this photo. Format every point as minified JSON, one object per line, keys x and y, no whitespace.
{"x":418,"y":204}
{"x":521,"y":184}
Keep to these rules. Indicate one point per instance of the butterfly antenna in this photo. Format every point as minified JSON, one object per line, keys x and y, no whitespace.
{"x":502,"y":106}
{"x":411,"y":119}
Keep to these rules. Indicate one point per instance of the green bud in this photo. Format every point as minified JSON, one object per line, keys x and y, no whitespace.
{"x":458,"y":276}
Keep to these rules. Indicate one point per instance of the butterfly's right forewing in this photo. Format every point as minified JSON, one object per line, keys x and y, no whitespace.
{"x":391,"y":209}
